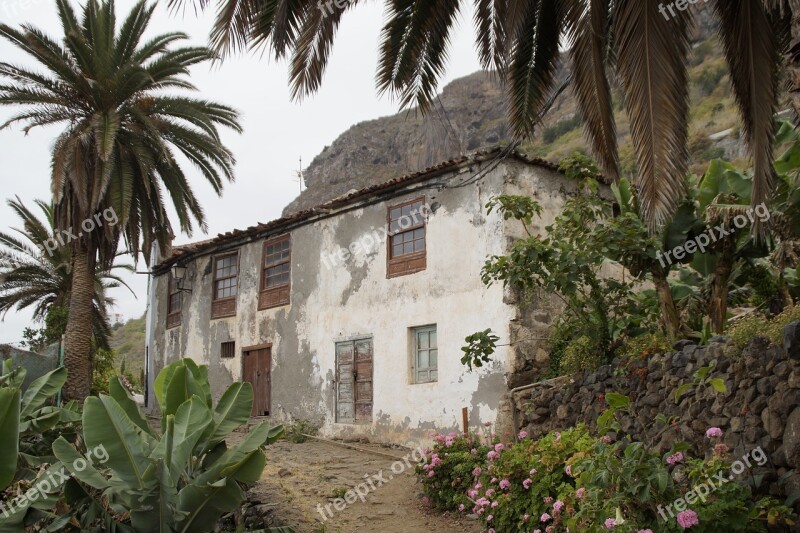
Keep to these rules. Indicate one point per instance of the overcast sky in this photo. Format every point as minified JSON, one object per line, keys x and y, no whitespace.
{"x":277,"y":131}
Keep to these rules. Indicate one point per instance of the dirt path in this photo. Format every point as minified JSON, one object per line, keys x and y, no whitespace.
{"x":300,"y":480}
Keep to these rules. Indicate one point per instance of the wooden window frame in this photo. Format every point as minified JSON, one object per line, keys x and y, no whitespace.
{"x":174,"y":319}
{"x":279,"y":295}
{"x":415,"y":355}
{"x":224,"y":307}
{"x":414,"y":262}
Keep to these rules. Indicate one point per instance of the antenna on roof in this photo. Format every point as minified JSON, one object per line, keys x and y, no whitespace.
{"x":299,"y":176}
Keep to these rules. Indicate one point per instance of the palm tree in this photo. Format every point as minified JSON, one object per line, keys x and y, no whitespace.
{"x":117,"y":150}
{"x":42,"y":280}
{"x":644,"y":44}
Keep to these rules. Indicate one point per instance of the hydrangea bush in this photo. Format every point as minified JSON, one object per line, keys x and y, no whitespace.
{"x":573,"y":481}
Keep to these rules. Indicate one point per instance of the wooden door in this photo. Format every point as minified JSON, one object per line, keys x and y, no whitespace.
{"x":257,"y":369}
{"x":354,"y":381}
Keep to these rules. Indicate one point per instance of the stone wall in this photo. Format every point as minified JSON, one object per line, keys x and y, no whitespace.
{"x":760,"y":408}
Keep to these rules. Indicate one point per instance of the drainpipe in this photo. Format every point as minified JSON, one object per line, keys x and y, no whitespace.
{"x":514,"y":421}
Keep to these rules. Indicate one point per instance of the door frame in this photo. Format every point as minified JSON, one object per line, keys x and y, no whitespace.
{"x":255,"y":348}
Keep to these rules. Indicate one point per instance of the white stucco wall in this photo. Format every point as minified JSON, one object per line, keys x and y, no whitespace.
{"x":355,"y":298}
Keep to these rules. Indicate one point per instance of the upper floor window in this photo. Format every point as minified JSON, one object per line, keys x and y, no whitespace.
{"x":276,"y":272}
{"x":406,"y":252}
{"x":226,"y":285}
{"x":174,"y":303}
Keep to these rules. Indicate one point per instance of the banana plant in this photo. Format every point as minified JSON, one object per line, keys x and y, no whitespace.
{"x":27,"y":426}
{"x":181,"y":480}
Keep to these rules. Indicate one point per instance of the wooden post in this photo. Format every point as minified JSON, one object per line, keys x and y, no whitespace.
{"x":465,"y":419}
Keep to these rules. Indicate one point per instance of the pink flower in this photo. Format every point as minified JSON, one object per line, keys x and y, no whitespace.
{"x":492,"y":455}
{"x":675,"y":458}
{"x":505,"y":484}
{"x":606,"y":439}
{"x":687,"y":519}
{"x":490,"y":493}
{"x":537,"y":531}
{"x":526,"y":517}
{"x":548,"y":499}
{"x":545,"y":517}
{"x":473,"y":451}
{"x":568,"y":470}
{"x":527,"y":483}
{"x":523,"y":434}
{"x":645,"y":531}
{"x":477,"y":471}
{"x":431,"y":473}
{"x":493,"y":480}
{"x":579,"y":493}
{"x":499,"y":447}
{"x":610,"y":523}
{"x":532,"y":472}
{"x":490,"y":530}
{"x":478,"y":486}
{"x":489,"y":518}
{"x":494,"y":505}
{"x":483,"y":502}
{"x":472,"y":493}
{"x":558,"y":505}
{"x":713,"y":432}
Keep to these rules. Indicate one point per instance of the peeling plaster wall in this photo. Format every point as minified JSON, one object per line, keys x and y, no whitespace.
{"x":332,"y":302}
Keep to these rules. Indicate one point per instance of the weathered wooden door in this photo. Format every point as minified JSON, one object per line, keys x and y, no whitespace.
{"x":354,"y":380}
{"x":257,"y":368}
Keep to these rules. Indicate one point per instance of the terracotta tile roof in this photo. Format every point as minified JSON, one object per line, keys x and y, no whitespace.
{"x":299,"y":217}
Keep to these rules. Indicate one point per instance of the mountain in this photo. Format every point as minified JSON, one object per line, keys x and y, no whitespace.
{"x":470,"y":114}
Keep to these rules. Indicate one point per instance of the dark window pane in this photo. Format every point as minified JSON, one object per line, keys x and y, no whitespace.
{"x":408,"y":248}
{"x":397,"y":250}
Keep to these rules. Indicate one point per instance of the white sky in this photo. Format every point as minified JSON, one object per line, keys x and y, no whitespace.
{"x":277,"y":131}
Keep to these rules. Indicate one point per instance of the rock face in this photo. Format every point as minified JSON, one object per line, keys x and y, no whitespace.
{"x":760,"y":407}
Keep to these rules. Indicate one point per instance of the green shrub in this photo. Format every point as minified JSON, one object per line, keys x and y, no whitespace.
{"x":580,"y":354}
{"x":521,"y":482}
{"x":297,"y":431}
{"x":645,"y":346}
{"x":748,"y":328}
{"x":448,"y":470}
{"x":571,"y":481}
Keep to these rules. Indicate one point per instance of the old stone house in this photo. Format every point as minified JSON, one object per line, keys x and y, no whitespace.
{"x":353,"y":314}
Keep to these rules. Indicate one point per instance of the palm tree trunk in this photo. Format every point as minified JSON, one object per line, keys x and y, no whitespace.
{"x":718,"y":307}
{"x":78,"y":341}
{"x":783,"y":291}
{"x":669,"y":313}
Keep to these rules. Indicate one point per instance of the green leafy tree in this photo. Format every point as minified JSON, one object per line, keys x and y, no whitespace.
{"x":123,"y":127}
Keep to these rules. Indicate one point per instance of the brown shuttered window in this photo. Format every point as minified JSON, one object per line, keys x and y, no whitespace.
{"x":276,"y":273}
{"x":226,"y":285}
{"x":407,"y":244}
{"x":174,"y":303}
